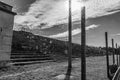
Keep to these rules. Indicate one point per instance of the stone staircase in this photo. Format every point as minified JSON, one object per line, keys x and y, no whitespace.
{"x":29,"y":58}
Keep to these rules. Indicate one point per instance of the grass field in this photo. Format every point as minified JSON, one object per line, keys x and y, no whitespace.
{"x":96,"y":70}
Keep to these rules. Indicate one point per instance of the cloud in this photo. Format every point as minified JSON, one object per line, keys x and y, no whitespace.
{"x":74,"y":32}
{"x":115,"y":35}
{"x":52,"y":12}
{"x":118,"y":34}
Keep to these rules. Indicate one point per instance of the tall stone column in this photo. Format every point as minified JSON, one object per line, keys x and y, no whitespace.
{"x":6,"y":32}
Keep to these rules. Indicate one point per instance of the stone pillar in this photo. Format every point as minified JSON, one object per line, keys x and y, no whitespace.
{"x":6,"y":32}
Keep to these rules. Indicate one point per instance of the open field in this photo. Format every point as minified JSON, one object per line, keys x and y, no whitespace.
{"x":96,"y":70}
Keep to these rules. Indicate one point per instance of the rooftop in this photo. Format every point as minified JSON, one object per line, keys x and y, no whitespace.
{"x":5,"y":6}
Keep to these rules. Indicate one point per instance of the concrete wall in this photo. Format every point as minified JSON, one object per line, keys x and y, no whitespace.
{"x":6,"y":27}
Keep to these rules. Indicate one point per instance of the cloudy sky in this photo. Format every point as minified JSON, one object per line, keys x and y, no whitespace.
{"x":50,"y":18}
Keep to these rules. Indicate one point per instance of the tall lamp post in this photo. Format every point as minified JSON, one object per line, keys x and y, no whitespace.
{"x":83,"y":44}
{"x":70,"y":35}
{"x":113,"y":51}
{"x":69,"y":43}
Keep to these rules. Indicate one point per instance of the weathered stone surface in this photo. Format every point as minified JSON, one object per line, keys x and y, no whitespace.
{"x":4,"y":64}
{"x":6,"y":31}
{"x":62,"y":77}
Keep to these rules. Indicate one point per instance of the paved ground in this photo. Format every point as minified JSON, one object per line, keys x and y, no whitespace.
{"x":96,"y":70}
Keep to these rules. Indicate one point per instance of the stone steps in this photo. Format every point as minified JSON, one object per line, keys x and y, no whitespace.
{"x":29,"y":58}
{"x":30,"y":62}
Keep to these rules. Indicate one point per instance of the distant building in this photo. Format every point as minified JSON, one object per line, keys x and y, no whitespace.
{"x":6,"y":31}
